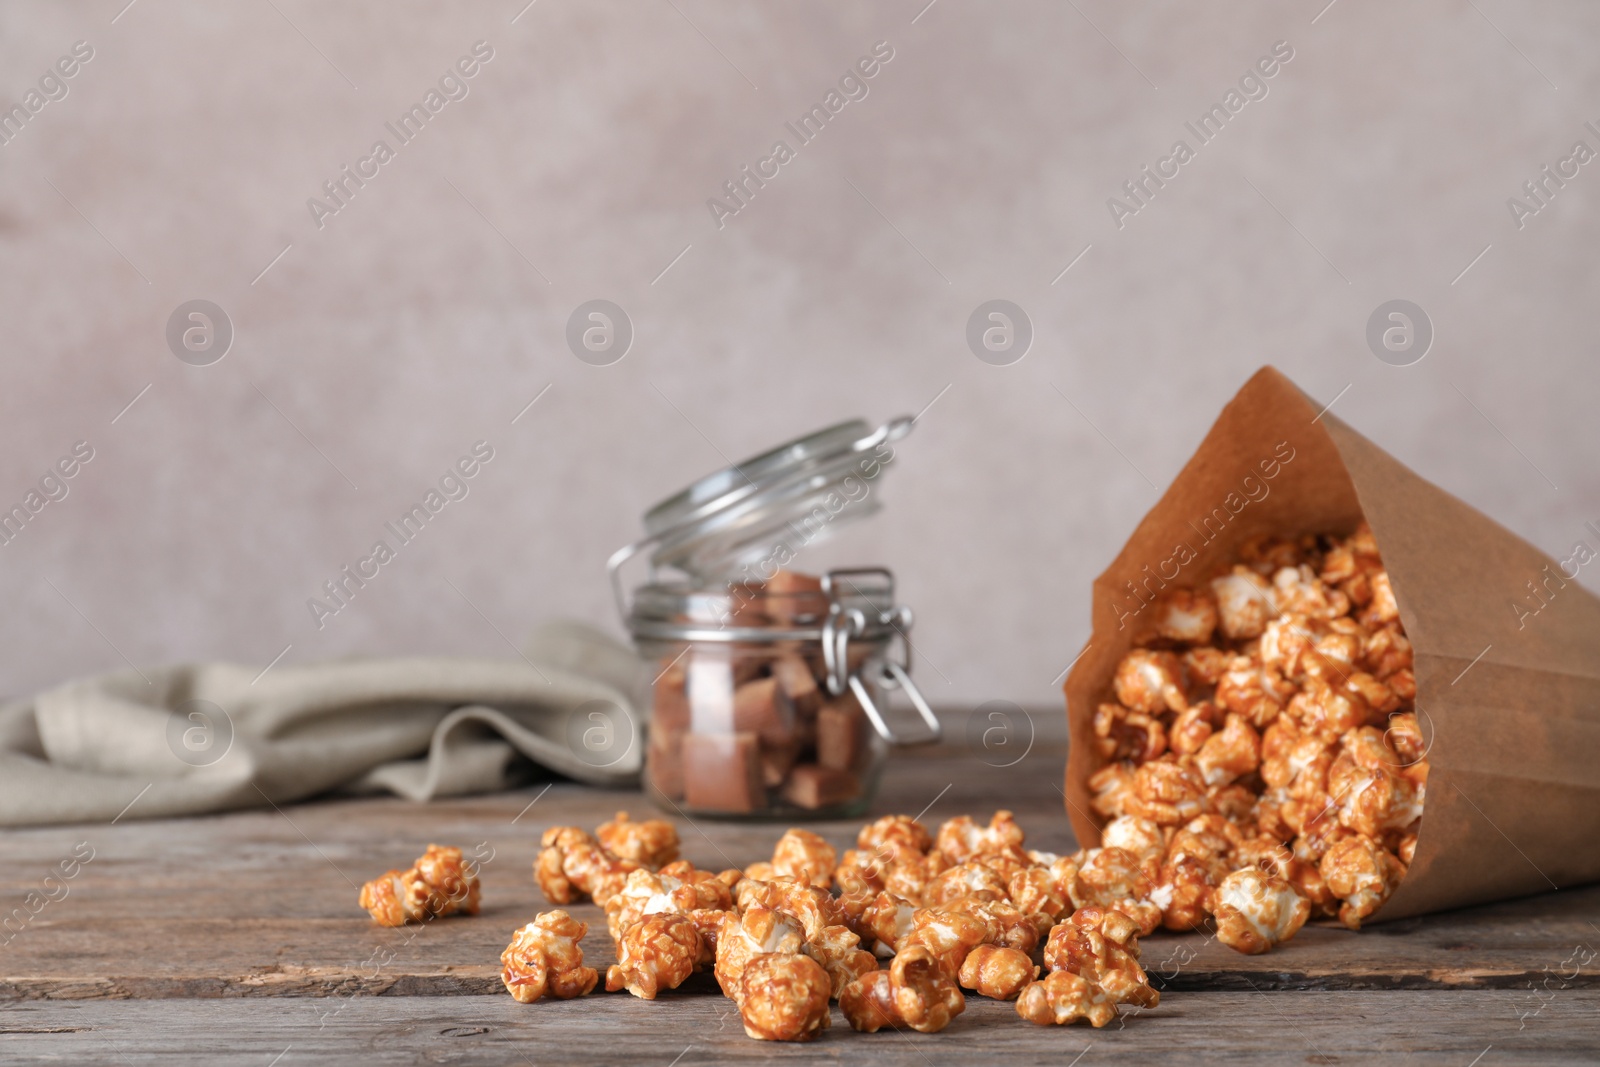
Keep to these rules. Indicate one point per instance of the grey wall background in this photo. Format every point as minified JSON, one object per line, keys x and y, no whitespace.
{"x":426,"y":314}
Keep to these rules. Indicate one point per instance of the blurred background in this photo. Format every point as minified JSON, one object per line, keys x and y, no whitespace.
{"x":375,"y":340}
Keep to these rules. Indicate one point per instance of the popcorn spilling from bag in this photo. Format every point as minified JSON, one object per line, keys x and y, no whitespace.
{"x":1264,"y":763}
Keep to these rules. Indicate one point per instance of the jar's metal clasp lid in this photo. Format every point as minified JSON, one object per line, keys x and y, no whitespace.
{"x":800,"y":490}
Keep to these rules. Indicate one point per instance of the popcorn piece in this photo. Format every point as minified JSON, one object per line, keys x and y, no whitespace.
{"x":652,"y":843}
{"x":1329,"y":711}
{"x":969,"y":879}
{"x":1383,"y":608}
{"x":1244,"y":603}
{"x":676,"y":889}
{"x":1231,"y":754}
{"x":1187,"y":616}
{"x":894,"y":837}
{"x":439,"y":883}
{"x":1297,"y":590}
{"x":1043,"y":892}
{"x":1112,"y":786}
{"x":1062,"y":998}
{"x":1122,"y":733}
{"x":572,"y":864}
{"x":915,"y":991}
{"x":804,"y":857}
{"x":757,"y":932}
{"x":1151,"y":682}
{"x":1191,"y":729}
{"x":1102,"y":945}
{"x":1167,"y":792}
{"x":1361,"y":873}
{"x":657,"y":952}
{"x":1205,"y":665}
{"x":814,"y":907}
{"x":997,"y":972}
{"x":1183,"y":891}
{"x":784,"y":997}
{"x":1254,"y":690}
{"x":960,"y":839}
{"x":947,"y":935}
{"x":1114,"y":878}
{"x":1256,"y":911}
{"x":1009,"y":926}
{"x":838,"y":950}
{"x":884,"y":918}
{"x":910,"y":878}
{"x":544,"y":957}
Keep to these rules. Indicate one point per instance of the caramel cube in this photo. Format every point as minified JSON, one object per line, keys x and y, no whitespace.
{"x":841,"y":733}
{"x":722,"y":772}
{"x":810,"y":786}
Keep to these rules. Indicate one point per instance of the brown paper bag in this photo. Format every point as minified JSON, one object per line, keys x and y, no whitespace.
{"x":1507,"y":644}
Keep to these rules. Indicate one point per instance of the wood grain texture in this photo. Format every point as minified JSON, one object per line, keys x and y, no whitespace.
{"x":1457,"y":1029}
{"x":263,"y":904}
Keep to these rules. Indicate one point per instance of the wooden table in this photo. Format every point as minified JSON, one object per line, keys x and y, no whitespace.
{"x":237,"y":939}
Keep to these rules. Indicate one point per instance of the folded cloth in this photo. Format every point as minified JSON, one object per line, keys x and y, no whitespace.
{"x":197,"y":738}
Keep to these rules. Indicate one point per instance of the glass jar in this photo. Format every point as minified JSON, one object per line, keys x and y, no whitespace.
{"x":769,"y":696}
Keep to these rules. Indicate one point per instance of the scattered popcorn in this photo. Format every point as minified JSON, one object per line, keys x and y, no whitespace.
{"x":914,"y":992}
{"x":802,"y":856}
{"x":997,"y":972}
{"x":652,"y":843}
{"x":784,"y":997}
{"x":439,"y":883}
{"x":544,"y":957}
{"x":756,"y":932}
{"x":1256,"y":910}
{"x":655,"y":953}
{"x":573,"y":865}
{"x":1102,"y":946}
{"x":1062,"y":998}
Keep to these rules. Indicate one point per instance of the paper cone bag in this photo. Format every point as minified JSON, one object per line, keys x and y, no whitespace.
{"x":1507,"y":644}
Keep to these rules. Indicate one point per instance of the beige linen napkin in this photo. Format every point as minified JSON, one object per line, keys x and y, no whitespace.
{"x":198,"y":738}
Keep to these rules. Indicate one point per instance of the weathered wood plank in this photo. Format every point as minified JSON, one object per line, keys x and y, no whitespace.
{"x":1450,"y":1029}
{"x":262,"y":904}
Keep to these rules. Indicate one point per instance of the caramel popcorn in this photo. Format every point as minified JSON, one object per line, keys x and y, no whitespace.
{"x":997,"y":972}
{"x":1062,"y":998}
{"x":784,"y":997}
{"x":894,"y":837}
{"x":1262,"y":737}
{"x":838,"y":949}
{"x":678,"y":888}
{"x":1151,"y":682}
{"x":1362,"y":873}
{"x":915,"y":991}
{"x":1256,"y":910}
{"x":743,"y":937}
{"x":1102,"y":945}
{"x":652,"y":843}
{"x":573,"y":865}
{"x":657,"y":952}
{"x":1114,"y":878}
{"x":803,"y":856}
{"x":815,"y":908}
{"x":544,"y":957}
{"x":946,"y":935}
{"x":960,"y":839}
{"x":439,"y":883}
